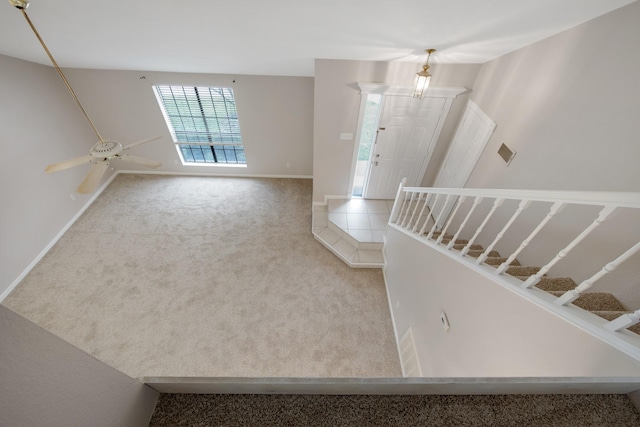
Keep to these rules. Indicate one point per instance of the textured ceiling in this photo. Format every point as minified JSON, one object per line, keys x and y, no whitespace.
{"x":281,"y":37}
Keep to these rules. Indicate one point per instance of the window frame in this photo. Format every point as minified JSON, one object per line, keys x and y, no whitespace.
{"x":194,"y":116}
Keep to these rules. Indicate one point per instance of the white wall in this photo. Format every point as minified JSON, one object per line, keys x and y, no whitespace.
{"x":494,"y":332}
{"x":40,"y":125}
{"x":336,"y":108}
{"x":275,"y":113}
{"x":569,"y":105}
{"x":47,"y":381}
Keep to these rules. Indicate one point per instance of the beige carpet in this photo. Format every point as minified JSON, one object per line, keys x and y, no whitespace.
{"x":194,"y":276}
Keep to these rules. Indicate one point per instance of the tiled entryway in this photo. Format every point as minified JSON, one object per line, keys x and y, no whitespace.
{"x":353,"y":229}
{"x":364,"y":220}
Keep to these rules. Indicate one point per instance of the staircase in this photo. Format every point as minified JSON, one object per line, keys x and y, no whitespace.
{"x":602,"y":304}
{"x":573,"y":221}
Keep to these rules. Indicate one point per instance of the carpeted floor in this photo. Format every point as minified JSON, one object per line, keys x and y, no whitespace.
{"x":317,"y":410}
{"x":195,"y":276}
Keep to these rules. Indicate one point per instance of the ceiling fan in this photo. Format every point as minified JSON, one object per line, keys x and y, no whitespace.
{"x":105,"y":150}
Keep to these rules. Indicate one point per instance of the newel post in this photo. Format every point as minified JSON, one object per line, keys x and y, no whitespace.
{"x":395,"y":212}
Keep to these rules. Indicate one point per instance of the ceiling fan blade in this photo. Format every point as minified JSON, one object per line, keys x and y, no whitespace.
{"x":140,"y":142}
{"x":69,"y":163}
{"x":139,"y":161}
{"x":93,"y":177}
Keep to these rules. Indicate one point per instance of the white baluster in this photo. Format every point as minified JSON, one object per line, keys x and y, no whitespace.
{"x":453,"y":214}
{"x":437,"y":221}
{"x":406,"y":212}
{"x":395,"y":211}
{"x":555,"y":208}
{"x":476,"y":202}
{"x":406,"y":196}
{"x":413,"y":214}
{"x":424,"y":226}
{"x":496,"y":204}
{"x":573,"y":294}
{"x":602,"y":217}
{"x":521,"y":207}
{"x":424,"y":207}
{"x":624,"y":321}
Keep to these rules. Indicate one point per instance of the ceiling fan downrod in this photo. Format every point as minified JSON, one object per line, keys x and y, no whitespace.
{"x":23,"y":5}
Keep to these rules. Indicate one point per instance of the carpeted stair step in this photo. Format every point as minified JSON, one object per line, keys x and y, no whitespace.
{"x":447,"y":237}
{"x":608,"y":314}
{"x":460,"y":246}
{"x":496,"y":261}
{"x":612,"y":315}
{"x":549,"y":284}
{"x":602,"y":304}
{"x":522,"y":271}
{"x":437,"y":234}
{"x":477,"y":252}
{"x":595,"y":301}
{"x":458,"y":242}
{"x":635,"y":328}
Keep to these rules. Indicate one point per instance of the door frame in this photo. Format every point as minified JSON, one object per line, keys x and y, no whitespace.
{"x":366,"y":88}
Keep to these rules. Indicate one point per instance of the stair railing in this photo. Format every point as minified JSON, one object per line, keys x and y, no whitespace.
{"x":428,"y":213}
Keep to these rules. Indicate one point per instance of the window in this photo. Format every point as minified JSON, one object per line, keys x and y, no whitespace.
{"x":368,"y":133}
{"x":203,"y":122}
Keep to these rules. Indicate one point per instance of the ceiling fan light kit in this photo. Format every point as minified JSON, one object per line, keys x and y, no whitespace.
{"x":105,"y":150}
{"x":20,"y":4}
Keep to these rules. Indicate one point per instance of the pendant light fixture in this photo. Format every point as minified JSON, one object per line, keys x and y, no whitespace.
{"x":423,"y":78}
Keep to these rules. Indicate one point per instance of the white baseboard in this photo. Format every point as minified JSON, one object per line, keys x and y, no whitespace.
{"x":57,"y":237}
{"x":229,"y":175}
{"x":327,"y":198}
{"x":391,"y":311}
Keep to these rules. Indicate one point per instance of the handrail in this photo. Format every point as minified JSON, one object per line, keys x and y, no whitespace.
{"x":440,"y":207}
{"x":594,"y":198}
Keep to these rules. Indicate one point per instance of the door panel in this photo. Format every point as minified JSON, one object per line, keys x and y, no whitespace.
{"x":468,"y":143}
{"x":471,"y":138}
{"x":408,"y":130}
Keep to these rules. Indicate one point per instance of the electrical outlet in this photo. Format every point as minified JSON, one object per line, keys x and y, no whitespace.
{"x":346,"y":136}
{"x":288,"y":165}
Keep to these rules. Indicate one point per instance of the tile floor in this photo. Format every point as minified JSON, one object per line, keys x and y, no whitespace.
{"x":364,"y":220}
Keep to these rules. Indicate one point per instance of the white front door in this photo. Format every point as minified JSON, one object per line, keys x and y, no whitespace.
{"x":408,"y":130}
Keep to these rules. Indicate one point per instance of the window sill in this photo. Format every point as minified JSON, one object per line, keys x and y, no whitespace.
{"x":216,"y":165}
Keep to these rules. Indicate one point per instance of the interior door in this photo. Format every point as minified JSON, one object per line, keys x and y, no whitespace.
{"x":407,"y":132}
{"x":471,"y":137}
